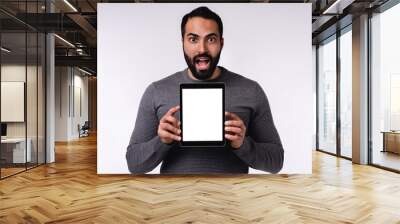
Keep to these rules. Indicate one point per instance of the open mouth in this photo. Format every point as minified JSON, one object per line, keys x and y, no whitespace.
{"x":202,"y":63}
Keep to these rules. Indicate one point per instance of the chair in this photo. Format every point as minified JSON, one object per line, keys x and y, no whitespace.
{"x":84,"y":130}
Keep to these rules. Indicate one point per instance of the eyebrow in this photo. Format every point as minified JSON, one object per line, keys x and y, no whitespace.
{"x":192,"y":34}
{"x":212,"y":34}
{"x":208,"y":35}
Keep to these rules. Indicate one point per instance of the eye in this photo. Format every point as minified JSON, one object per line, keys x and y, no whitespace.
{"x":192,"y":39}
{"x":212,"y":39}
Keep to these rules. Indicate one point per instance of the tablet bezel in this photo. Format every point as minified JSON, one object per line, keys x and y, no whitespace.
{"x":213,"y":85}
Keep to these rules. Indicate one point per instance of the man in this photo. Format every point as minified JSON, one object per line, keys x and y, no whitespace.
{"x":249,"y":129}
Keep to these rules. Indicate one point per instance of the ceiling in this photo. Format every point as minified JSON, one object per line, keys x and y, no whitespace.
{"x":76,"y":21}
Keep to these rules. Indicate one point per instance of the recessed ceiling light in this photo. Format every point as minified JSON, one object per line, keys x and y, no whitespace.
{"x":64,"y":40}
{"x":70,"y":5}
{"x":5,"y":50}
{"x":337,"y":7}
{"x":84,"y":71}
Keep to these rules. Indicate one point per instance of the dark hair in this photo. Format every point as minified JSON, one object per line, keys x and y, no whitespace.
{"x":205,"y":13}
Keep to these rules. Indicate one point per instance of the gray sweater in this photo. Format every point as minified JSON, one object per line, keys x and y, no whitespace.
{"x":261,"y":149}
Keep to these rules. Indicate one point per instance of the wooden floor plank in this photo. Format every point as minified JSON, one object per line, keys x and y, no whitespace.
{"x":70,"y":191}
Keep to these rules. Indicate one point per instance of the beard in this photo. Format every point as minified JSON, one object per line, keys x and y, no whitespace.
{"x":206,"y":73}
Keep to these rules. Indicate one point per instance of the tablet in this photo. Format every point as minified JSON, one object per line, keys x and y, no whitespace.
{"x":202,"y":114}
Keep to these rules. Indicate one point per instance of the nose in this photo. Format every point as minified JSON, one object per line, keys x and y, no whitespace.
{"x":202,"y":47}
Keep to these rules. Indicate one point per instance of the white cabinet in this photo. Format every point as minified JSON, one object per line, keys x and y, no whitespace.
{"x":18,"y":149}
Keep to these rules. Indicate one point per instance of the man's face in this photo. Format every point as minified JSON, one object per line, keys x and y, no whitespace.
{"x":202,"y":45}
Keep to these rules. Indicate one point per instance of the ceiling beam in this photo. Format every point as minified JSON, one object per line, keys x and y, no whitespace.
{"x":83,"y":61}
{"x":86,"y":26}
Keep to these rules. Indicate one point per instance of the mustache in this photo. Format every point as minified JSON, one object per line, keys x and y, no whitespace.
{"x":202,"y":56}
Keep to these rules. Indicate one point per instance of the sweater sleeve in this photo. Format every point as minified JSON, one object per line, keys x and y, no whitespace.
{"x":262,"y":148}
{"x":146,"y":150}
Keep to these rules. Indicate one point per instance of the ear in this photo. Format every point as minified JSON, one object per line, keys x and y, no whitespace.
{"x":222,"y":42}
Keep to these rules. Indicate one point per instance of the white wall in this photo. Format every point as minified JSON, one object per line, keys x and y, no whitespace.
{"x":61,"y":103}
{"x":141,"y":43}
{"x":68,"y":81}
{"x":80,"y":84}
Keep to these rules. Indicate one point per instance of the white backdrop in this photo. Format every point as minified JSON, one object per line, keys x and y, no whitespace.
{"x":141,"y":43}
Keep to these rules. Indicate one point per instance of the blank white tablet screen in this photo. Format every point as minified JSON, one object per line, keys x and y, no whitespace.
{"x":202,"y":114}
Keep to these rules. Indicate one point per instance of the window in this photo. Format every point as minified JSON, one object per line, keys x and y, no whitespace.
{"x":327,"y":96}
{"x":22,"y":66}
{"x":346,"y":93}
{"x":385,"y":88}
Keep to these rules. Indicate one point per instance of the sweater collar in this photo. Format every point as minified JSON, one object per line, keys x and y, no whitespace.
{"x":220,"y":78}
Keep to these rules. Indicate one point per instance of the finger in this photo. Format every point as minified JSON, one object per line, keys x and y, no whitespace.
{"x":172,"y":111}
{"x":232,"y":137}
{"x":232,"y":115}
{"x":170,"y":128}
{"x":234,"y":130}
{"x":166,"y":134}
{"x":171,"y":120}
{"x":234,"y":123}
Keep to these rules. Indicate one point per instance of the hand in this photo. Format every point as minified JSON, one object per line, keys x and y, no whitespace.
{"x":169,"y":127}
{"x":235,"y":130}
